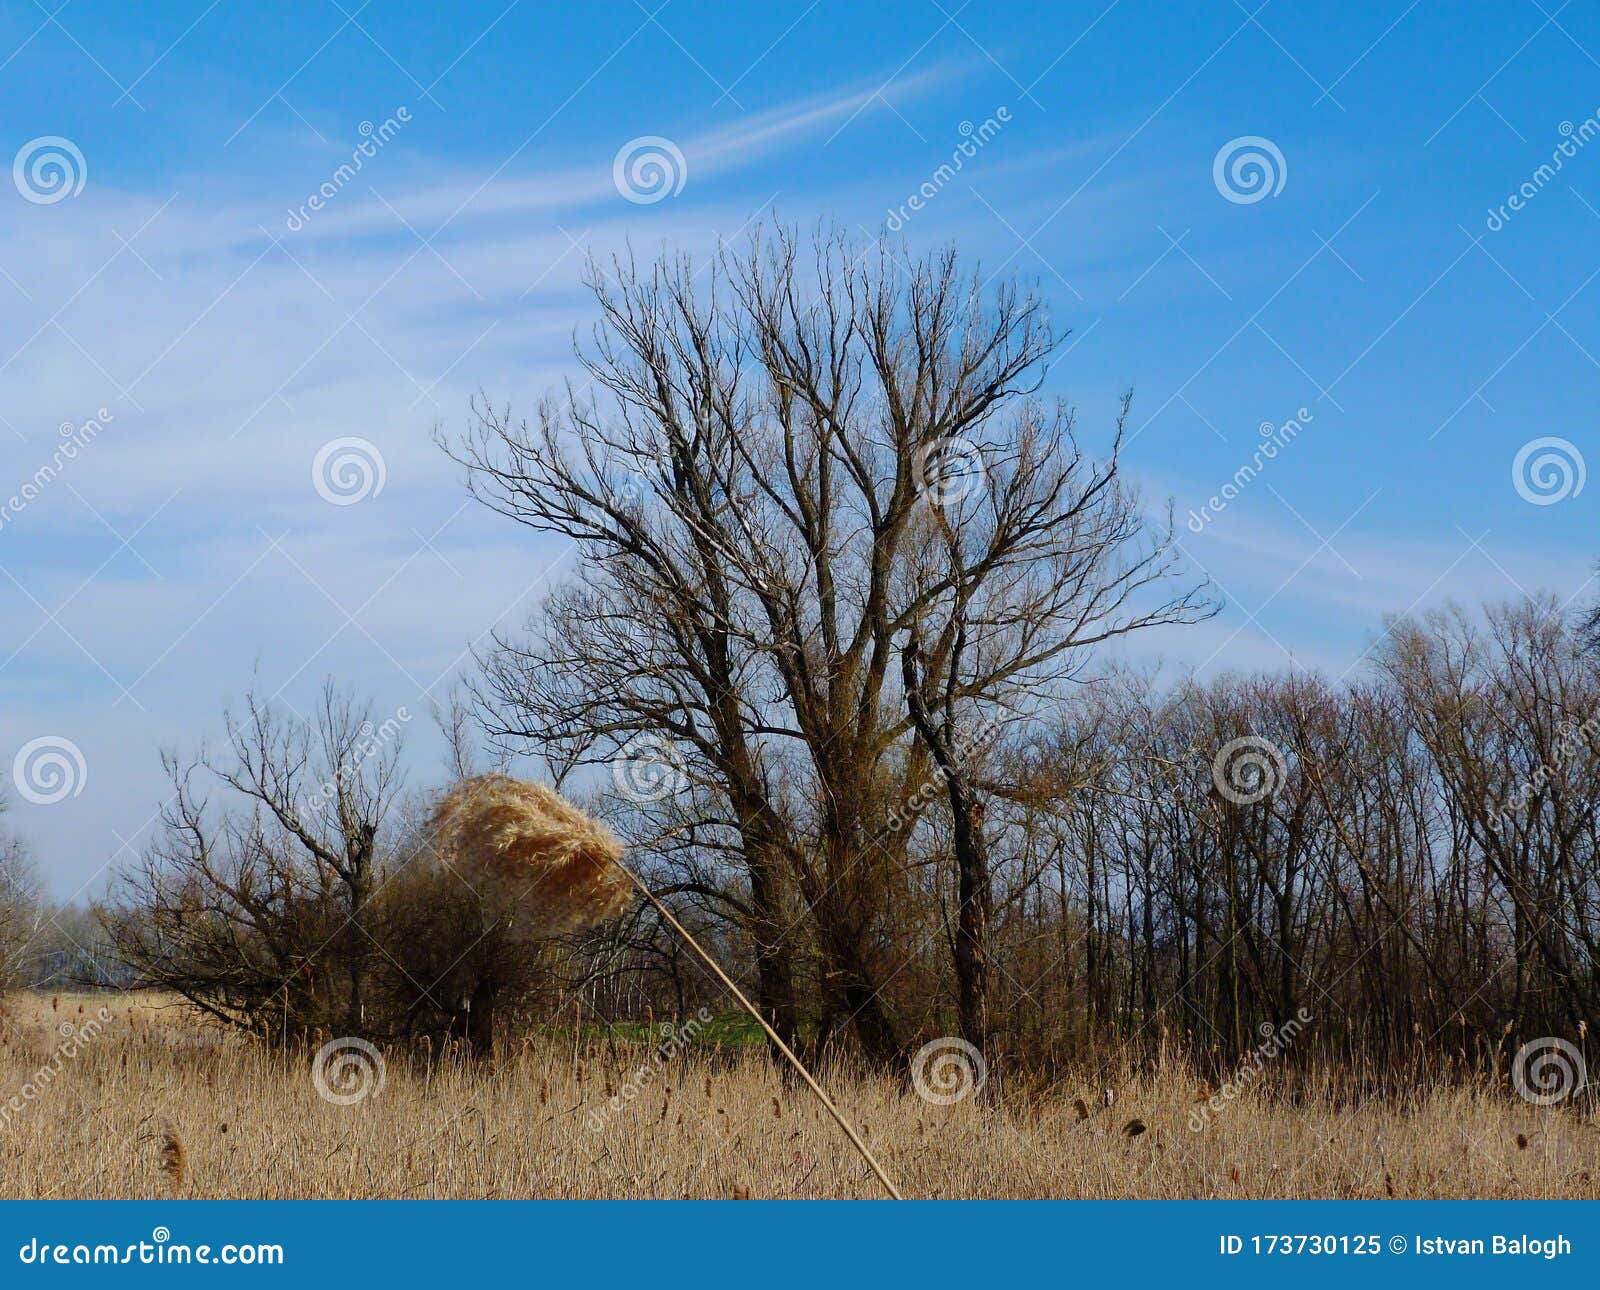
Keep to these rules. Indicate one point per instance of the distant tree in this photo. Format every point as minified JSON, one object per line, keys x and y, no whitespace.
{"x":21,"y":911}
{"x":292,"y":890}
{"x":70,"y":951}
{"x":257,"y":911}
{"x":1589,"y":624}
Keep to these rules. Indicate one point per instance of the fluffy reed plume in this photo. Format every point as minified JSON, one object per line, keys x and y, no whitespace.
{"x":171,"y":1158}
{"x":559,"y":864}
{"x":564,"y":870}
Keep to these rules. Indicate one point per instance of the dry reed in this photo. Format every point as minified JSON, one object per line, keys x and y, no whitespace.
{"x":171,"y":1158}
{"x":252,"y":1125}
{"x":560,"y":865}
{"x":566,"y":871}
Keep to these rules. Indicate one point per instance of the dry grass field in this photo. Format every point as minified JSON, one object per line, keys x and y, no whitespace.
{"x":156,"y":1104}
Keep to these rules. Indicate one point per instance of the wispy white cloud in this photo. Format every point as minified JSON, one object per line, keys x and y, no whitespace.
{"x":186,"y":548}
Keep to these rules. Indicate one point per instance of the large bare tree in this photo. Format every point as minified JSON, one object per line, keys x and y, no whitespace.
{"x":821,"y":519}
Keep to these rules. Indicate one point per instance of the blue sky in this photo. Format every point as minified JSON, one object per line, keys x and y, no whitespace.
{"x":186,"y":552}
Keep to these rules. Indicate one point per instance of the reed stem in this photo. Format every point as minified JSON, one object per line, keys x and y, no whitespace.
{"x":772,"y":1034}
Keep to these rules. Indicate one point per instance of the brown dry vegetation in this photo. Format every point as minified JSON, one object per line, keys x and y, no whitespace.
{"x":246,"y":1122}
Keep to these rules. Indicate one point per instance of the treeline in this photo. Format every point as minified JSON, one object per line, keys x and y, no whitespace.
{"x":831,"y":652}
{"x":1411,"y":859}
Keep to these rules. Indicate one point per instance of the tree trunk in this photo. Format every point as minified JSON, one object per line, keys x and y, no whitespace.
{"x":974,"y":890}
{"x":481,"y":1018}
{"x":774,"y":975}
{"x":975,"y":912}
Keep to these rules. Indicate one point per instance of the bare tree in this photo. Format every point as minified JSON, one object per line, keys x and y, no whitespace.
{"x":1040,"y":554}
{"x":21,"y":910}
{"x":747,"y":479}
{"x":1589,"y":625}
{"x":256,"y":912}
